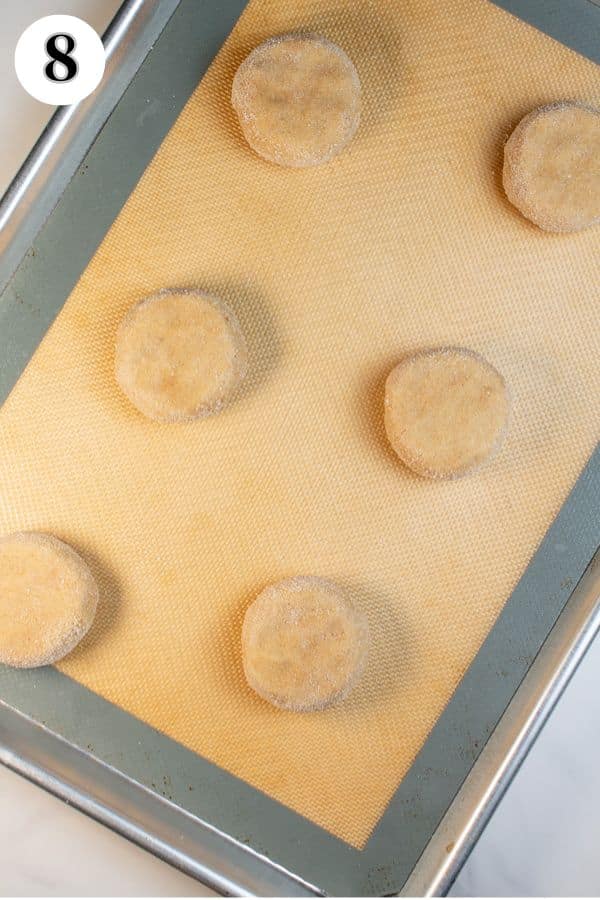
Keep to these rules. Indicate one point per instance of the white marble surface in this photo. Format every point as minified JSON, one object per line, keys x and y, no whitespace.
{"x":542,"y":840}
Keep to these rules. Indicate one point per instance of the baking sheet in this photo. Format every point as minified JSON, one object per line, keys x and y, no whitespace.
{"x":328,"y":307}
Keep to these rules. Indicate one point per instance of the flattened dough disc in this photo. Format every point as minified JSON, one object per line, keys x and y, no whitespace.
{"x":180,"y":355}
{"x":48,"y":599}
{"x":552,"y":167}
{"x":446,"y":411}
{"x":304,"y":646}
{"x":297,"y":98}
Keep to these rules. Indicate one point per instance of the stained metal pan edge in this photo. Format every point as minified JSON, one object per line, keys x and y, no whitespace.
{"x":52,"y":162}
{"x":515,"y":734}
{"x":204,"y":853}
{"x":128,"y":808}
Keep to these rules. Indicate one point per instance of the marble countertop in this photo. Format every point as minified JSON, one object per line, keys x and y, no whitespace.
{"x":541,"y":841}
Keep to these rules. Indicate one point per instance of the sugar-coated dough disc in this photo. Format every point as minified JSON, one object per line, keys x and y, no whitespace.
{"x":298,"y":99}
{"x":446,"y":411}
{"x":552,"y":167}
{"x":180,"y":355}
{"x":303,"y":644}
{"x":48,"y":599}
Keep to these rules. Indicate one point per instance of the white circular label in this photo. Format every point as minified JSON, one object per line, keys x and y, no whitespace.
{"x":59,"y":60}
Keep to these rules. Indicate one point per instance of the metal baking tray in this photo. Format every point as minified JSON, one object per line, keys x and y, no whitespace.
{"x":228,"y":834}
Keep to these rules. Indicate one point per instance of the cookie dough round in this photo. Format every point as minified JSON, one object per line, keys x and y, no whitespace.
{"x":304,"y":645}
{"x":48,"y":599}
{"x":446,"y":411}
{"x":552,"y":167}
{"x":180,"y":355}
{"x":298,"y":100}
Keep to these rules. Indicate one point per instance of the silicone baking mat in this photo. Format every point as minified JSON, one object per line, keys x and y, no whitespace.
{"x":404,"y":241}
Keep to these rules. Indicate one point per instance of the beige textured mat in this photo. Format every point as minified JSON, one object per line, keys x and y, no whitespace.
{"x":402,"y":242}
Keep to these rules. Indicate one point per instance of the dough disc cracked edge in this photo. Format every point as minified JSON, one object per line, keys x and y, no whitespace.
{"x":284,"y":590}
{"x":517,"y":185}
{"x":414,"y":460}
{"x":67,"y":635}
{"x":272,"y":147}
{"x":150,"y":406}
